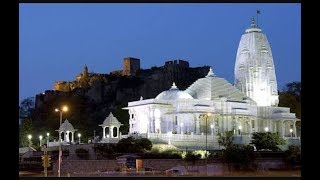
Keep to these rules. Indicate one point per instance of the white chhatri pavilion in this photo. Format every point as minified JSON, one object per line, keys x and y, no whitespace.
{"x":66,"y":128}
{"x":111,"y":125}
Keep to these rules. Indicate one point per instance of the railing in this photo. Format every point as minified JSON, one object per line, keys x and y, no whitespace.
{"x":180,"y":136}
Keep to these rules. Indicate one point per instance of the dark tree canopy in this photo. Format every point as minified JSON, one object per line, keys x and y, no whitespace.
{"x":290,"y":97}
{"x":293,"y":88}
{"x":26,"y":108}
{"x":267,"y":140}
{"x":25,"y":130}
{"x":225,"y":139}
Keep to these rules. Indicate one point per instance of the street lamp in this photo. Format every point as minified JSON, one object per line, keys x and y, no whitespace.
{"x":181,"y":129}
{"x":40,"y":138}
{"x":291,"y":130}
{"x":48,"y":134}
{"x":79,"y":135}
{"x":30,"y":137}
{"x":266,"y":129}
{"x":63,"y":109}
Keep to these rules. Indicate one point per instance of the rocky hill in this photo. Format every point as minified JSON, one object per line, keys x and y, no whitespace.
{"x":94,"y":96}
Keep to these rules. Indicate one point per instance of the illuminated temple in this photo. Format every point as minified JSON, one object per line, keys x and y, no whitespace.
{"x":193,"y":117}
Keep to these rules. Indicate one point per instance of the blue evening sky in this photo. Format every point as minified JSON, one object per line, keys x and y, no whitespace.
{"x":57,"y":40}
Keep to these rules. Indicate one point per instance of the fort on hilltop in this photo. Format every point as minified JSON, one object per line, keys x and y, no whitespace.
{"x":130,"y":68}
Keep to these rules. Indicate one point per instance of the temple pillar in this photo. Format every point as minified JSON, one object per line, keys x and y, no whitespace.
{"x":117,"y":132}
{"x":111,"y":131}
{"x":59,"y":136}
{"x":68,"y":139}
{"x":65,"y":136}
{"x":294,"y":129}
{"x":282,"y":128}
{"x":197,"y":125}
{"x":103,"y":132}
{"x":72,"y":137}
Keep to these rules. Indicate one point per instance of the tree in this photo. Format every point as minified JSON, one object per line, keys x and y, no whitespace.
{"x":225,"y":139}
{"x":26,"y":108}
{"x":293,"y":88}
{"x":25,"y":130}
{"x":267,"y":140}
{"x":293,"y":155}
{"x":290,"y":97}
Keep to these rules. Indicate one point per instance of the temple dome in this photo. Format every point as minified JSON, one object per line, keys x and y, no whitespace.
{"x":174,"y":94}
{"x":66,"y":126}
{"x":212,"y":87}
{"x":111,"y":121}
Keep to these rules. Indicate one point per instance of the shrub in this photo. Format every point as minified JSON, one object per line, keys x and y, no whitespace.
{"x":241,"y":156}
{"x":161,"y":155}
{"x":82,"y":153}
{"x":267,"y":140}
{"x":191,"y":156}
{"x":293,"y":155}
{"x":104,"y":150}
{"x":131,"y":145}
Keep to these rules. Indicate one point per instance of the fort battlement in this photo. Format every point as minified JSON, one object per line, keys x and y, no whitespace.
{"x":177,"y":63}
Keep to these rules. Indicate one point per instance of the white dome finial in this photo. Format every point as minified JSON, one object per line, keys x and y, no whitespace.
{"x":174,"y":86}
{"x":253,"y":23}
{"x":210,"y":73}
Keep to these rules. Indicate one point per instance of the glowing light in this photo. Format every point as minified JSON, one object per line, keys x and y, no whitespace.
{"x":65,"y":108}
{"x":240,"y":127}
{"x":29,"y":136}
{"x":40,"y":137}
{"x":79,"y":135}
{"x":266,"y":129}
{"x":291,"y":130}
{"x":48,"y":134}
{"x":211,"y":126}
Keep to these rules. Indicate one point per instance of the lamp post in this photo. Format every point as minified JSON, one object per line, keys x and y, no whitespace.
{"x":266,"y":129}
{"x":291,"y":130}
{"x":63,"y":109}
{"x":212,"y":126}
{"x":30,"y":137}
{"x":79,"y":135}
{"x":181,"y":128}
{"x":40,"y":138}
{"x":48,"y":134}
